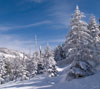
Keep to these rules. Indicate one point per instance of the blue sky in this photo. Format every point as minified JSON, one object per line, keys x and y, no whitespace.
{"x":21,"y":20}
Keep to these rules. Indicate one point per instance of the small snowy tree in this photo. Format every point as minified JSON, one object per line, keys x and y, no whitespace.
{"x":14,"y":68}
{"x":40,"y":63}
{"x":49,"y":62}
{"x":24,"y":72}
{"x":79,"y":68}
{"x":2,"y":70}
{"x":59,"y":53}
{"x":35,"y":64}
{"x":32,"y":67}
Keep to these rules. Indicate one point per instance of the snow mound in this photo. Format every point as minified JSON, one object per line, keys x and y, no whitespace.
{"x":79,"y":69}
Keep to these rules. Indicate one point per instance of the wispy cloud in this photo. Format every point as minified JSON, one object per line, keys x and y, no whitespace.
{"x":10,"y":27}
{"x":61,"y":13}
{"x":52,"y":41}
{"x":34,"y":24}
{"x":37,"y":1}
{"x":13,"y":42}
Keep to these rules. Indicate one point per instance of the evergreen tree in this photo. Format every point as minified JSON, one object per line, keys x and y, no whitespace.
{"x":80,"y":46}
{"x":49,"y":62}
{"x":78,"y":41}
{"x":2,"y":70}
{"x":24,"y":71}
{"x":40,"y":63}
{"x":59,"y":53}
{"x":32,"y":64}
{"x":93,"y":27}
{"x":16,"y":68}
{"x":79,"y":69}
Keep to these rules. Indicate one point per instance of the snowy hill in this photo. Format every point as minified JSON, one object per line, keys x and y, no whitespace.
{"x":44,"y":82}
{"x":9,"y":53}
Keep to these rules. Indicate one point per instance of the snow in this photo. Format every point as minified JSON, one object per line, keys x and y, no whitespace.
{"x":36,"y":83}
{"x":44,"y":82}
{"x":91,"y":82}
{"x":9,"y":53}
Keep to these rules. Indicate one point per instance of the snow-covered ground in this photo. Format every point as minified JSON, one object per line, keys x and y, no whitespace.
{"x":44,"y":82}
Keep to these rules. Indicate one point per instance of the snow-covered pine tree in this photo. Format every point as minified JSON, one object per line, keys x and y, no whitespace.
{"x":32,"y":64}
{"x":40,"y":62}
{"x":59,"y":53}
{"x":37,"y":59}
{"x":49,"y":62}
{"x":35,"y":64}
{"x":2,"y":70}
{"x":78,"y":41}
{"x":24,"y":71}
{"x":15,"y":68}
{"x":79,"y":48}
{"x":79,"y":69}
{"x":9,"y":74}
{"x":93,"y":28}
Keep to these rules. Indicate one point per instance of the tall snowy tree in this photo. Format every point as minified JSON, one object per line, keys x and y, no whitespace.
{"x":78,"y":41}
{"x":93,"y":27}
{"x":80,"y":46}
{"x":35,"y":64}
{"x":34,"y":60}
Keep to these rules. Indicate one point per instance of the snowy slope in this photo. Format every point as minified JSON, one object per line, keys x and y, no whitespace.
{"x":44,"y":82}
{"x":8,"y":53}
{"x":91,"y":82}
